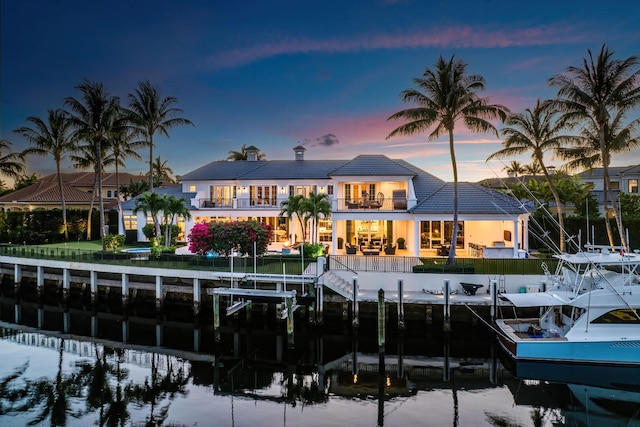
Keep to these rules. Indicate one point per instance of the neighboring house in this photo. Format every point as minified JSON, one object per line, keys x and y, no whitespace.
{"x":375,"y":201}
{"x":77,"y":187}
{"x":623,"y":179}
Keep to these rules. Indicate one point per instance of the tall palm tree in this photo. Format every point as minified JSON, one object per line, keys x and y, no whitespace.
{"x":162,"y":172}
{"x":537,"y":132}
{"x":51,"y":138}
{"x":586,"y":152}
{"x":445,"y":96}
{"x":591,"y":95}
{"x":242,"y":154}
{"x":149,"y":113}
{"x":122,"y":146}
{"x":11,"y":164}
{"x":532,"y":169}
{"x":84,"y":157}
{"x":315,"y":207}
{"x":291,"y":207}
{"x":93,"y":116}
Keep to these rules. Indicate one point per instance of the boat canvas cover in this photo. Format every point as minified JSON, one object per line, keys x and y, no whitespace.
{"x":538,"y":299}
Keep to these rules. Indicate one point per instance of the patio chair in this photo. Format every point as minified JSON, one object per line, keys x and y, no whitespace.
{"x":351,"y":250}
{"x":377,"y":203}
{"x":352,"y":205}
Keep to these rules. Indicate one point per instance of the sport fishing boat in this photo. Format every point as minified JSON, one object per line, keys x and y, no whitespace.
{"x":590,"y":313}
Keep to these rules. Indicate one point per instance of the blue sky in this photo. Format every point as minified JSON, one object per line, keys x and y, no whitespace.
{"x":276,"y":74}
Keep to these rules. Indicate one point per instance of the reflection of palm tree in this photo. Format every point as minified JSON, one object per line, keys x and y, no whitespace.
{"x":117,"y":413}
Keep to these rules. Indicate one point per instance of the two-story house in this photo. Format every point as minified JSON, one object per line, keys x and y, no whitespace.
{"x":624,"y":179}
{"x":375,"y":201}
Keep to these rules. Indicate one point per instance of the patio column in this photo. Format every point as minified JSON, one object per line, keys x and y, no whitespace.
{"x":415,"y":245}
{"x":516,"y":238}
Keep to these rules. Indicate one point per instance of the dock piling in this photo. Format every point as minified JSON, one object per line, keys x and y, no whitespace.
{"x":493,"y":285}
{"x":447,"y":309}
{"x":401,"y":324}
{"x":216,"y":317}
{"x":355,"y":308}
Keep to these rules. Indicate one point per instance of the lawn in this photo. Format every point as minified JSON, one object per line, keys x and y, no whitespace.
{"x":92,"y":245}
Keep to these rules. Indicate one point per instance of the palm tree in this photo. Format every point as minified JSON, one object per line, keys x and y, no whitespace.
{"x":85,"y":158}
{"x":93,"y":116}
{"x":242,"y":154}
{"x":53,"y":138}
{"x":537,"y":132}
{"x":446,"y":95}
{"x":591,"y":95}
{"x":291,"y":207}
{"x":532,"y":169}
{"x":122,"y":146}
{"x":148,"y":114}
{"x":11,"y":164}
{"x":315,"y":207}
{"x":514,"y":168}
{"x":162,"y":172}
{"x":173,"y":207}
{"x":151,"y":204}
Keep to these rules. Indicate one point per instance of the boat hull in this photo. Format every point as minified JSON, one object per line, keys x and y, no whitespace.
{"x":562,"y":350}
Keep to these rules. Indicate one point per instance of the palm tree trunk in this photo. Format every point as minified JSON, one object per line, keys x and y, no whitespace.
{"x":556,"y":197}
{"x":454,"y":233}
{"x":64,"y":206}
{"x":150,"y":161}
{"x":101,"y":205}
{"x":95,"y":187}
{"x":121,"y":219}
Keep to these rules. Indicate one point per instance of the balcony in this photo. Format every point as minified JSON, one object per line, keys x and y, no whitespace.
{"x":216,"y":203}
{"x":239,"y":203}
{"x":381,"y":204}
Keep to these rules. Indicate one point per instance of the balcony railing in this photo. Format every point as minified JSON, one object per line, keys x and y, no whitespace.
{"x":216,"y":203}
{"x":392,"y":204}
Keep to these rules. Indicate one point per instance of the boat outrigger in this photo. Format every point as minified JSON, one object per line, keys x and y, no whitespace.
{"x":590,"y":313}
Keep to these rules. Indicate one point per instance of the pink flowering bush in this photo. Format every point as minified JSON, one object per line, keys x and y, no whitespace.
{"x":224,"y":238}
{"x":200,"y":239}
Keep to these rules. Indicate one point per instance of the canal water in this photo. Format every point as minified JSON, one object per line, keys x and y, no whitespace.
{"x":77,"y":368}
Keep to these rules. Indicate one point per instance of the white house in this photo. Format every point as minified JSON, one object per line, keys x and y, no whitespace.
{"x":375,"y":201}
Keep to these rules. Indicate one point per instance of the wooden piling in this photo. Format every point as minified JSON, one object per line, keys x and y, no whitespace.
{"x":216,"y":317}
{"x":94,"y":287}
{"x":289,"y":307}
{"x":197,"y":297}
{"x":125,"y":290}
{"x":493,"y":290}
{"x":17,"y":278}
{"x":40,"y":280}
{"x":159,"y":295}
{"x":381,"y":320}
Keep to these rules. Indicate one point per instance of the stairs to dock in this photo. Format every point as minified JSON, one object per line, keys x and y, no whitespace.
{"x":337,"y":284}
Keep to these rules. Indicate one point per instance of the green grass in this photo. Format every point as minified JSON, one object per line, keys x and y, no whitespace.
{"x":91,"y":245}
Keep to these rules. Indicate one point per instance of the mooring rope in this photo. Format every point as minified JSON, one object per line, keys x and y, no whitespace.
{"x":493,"y":328}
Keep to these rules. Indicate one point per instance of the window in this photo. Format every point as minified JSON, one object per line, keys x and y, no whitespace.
{"x":633,"y":186}
{"x":192,"y":189}
{"x":624,"y":316}
{"x":330,"y":190}
{"x":130,"y":222}
{"x":221,"y":195}
{"x":615,"y":185}
{"x":109,"y":193}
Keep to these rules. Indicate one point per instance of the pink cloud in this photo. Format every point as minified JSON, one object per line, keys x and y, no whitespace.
{"x":454,"y":36}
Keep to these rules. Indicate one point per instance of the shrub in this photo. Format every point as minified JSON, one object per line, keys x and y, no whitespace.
{"x":433,"y":267}
{"x":312,"y":251}
{"x":113,"y":241}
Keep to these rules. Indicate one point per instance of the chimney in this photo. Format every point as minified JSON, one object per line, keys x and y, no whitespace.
{"x":299,"y":150}
{"x":252,"y":153}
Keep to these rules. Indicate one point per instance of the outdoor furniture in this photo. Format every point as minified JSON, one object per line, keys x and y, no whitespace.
{"x":390,"y":250}
{"x":209,"y":204}
{"x":370,"y":252}
{"x":399,"y":199}
{"x":470,"y":288}
{"x":352,"y":205}
{"x":377,"y":203}
{"x":443,"y":250}
{"x":351,"y":250}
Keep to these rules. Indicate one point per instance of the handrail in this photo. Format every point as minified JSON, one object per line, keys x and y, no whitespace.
{"x":331,"y":258}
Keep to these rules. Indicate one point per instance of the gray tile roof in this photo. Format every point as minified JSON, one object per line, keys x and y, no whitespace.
{"x":294,"y":169}
{"x":374,"y":165}
{"x":424,"y":184}
{"x":173,"y":190}
{"x":222,"y":170}
{"x":472,"y":199}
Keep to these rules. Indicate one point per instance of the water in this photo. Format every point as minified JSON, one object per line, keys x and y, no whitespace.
{"x":77,"y":369}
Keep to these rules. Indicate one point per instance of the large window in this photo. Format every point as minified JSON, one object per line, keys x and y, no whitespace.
{"x":222,"y":195}
{"x":130,"y":222}
{"x":633,"y":186}
{"x":263,"y":195}
{"x":434,"y":234}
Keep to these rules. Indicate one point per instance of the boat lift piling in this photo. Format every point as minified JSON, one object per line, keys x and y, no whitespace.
{"x":446,"y":326}
{"x":354,"y":305}
{"x":494,"y":299}
{"x":401,"y":324}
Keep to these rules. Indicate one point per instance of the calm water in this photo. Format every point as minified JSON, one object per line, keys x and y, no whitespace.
{"x":76,"y":369}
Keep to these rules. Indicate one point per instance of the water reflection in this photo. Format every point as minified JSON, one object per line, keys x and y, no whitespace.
{"x":76,"y":368}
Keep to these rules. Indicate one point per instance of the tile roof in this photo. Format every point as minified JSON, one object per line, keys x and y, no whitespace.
{"x":374,"y":165}
{"x":472,"y":199}
{"x":47,"y":192}
{"x":171,"y":190}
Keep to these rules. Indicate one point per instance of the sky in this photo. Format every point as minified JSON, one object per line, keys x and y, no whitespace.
{"x":276,"y":74}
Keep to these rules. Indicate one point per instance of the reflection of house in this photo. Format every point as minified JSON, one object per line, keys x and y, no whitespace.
{"x":77,"y":187}
{"x":375,"y":201}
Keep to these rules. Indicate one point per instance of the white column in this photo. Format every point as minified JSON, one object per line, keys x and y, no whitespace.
{"x":416,"y":238}
{"x":516,"y":238}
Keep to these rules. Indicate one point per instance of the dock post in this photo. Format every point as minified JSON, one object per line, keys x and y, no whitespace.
{"x":216,"y":316}
{"x":197,"y":297}
{"x":355,"y":308}
{"x":381,"y":321}
{"x":40,"y":280}
{"x":17,"y":278}
{"x":66,"y":285}
{"x":93,"y":275}
{"x":429,"y":314}
{"x":159,"y":299}
{"x":447,"y":312}
{"x":289,"y":307}
{"x":320,"y":300}
{"x":125,"y":290}
{"x":401,"y":324}
{"x":493,"y":288}
{"x":248,"y":309}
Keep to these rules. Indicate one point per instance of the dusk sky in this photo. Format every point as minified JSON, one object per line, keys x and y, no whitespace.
{"x":276,"y":74}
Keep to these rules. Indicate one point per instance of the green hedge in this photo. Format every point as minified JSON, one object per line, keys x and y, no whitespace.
{"x":434,"y":267}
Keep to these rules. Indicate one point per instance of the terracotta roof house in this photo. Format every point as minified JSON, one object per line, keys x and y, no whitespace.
{"x":77,"y":187}
{"x":375,"y":201}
